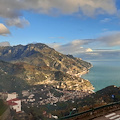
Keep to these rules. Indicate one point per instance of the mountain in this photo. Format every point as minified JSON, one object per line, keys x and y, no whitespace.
{"x":42,"y":55}
{"x":35,"y":64}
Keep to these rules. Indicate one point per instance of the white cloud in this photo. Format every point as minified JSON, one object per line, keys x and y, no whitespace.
{"x":74,"y":47}
{"x":110,"y":39}
{"x":79,"y":48}
{"x":21,"y":23}
{"x":4,"y":30}
{"x":101,"y":55}
{"x":87,"y":7}
{"x":89,"y":50}
{"x":12,"y":9}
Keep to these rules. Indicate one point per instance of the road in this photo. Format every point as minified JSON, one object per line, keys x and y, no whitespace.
{"x":110,"y":116}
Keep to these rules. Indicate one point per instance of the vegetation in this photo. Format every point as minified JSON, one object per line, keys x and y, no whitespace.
{"x":3,"y":107}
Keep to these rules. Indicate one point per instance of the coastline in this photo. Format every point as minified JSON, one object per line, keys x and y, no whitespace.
{"x":86,"y":72}
{"x":83,"y":73}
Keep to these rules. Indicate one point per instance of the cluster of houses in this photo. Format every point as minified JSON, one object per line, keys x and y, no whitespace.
{"x":29,"y":97}
{"x":37,"y":97}
{"x":15,"y":103}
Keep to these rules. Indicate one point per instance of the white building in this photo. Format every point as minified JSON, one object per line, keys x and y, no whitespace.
{"x":13,"y":102}
{"x":25,"y":93}
{"x":12,"y":96}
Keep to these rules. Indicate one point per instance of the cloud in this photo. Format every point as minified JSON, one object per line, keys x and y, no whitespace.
{"x":21,"y":23}
{"x":89,"y":50}
{"x":12,"y":9}
{"x":106,"y":39}
{"x":4,"y":44}
{"x":4,"y":30}
{"x":87,"y":7}
{"x":74,"y":47}
{"x":79,"y":48}
{"x":110,"y":39}
{"x":101,"y":55}
{"x":105,"y":20}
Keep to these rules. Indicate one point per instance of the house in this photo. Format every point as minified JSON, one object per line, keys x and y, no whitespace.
{"x":12,"y":96}
{"x":25,"y":93}
{"x":14,"y":102}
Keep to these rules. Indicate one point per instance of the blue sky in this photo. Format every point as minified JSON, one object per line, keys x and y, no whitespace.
{"x":84,"y":28}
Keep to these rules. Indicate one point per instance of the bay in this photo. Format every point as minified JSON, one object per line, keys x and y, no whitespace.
{"x":103,"y":74}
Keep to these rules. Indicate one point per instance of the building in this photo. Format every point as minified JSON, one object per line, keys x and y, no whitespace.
{"x":14,"y":102}
{"x":12,"y":96}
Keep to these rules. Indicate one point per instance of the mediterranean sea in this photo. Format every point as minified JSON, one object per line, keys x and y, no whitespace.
{"x":103,"y":74}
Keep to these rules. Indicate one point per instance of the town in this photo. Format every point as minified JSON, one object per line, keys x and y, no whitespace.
{"x":41,"y":95}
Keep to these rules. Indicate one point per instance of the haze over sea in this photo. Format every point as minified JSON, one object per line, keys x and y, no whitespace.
{"x":103,"y":74}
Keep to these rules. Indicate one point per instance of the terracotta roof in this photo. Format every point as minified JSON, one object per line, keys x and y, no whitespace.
{"x":16,"y":99}
{"x":12,"y":103}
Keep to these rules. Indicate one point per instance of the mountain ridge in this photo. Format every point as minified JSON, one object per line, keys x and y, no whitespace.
{"x":40,"y":64}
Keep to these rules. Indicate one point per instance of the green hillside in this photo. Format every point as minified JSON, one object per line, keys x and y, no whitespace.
{"x":3,"y":107}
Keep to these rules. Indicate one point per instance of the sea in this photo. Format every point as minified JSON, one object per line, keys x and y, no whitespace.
{"x":103,"y":74}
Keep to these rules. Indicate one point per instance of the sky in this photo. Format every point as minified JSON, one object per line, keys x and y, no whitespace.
{"x":89,"y":29}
